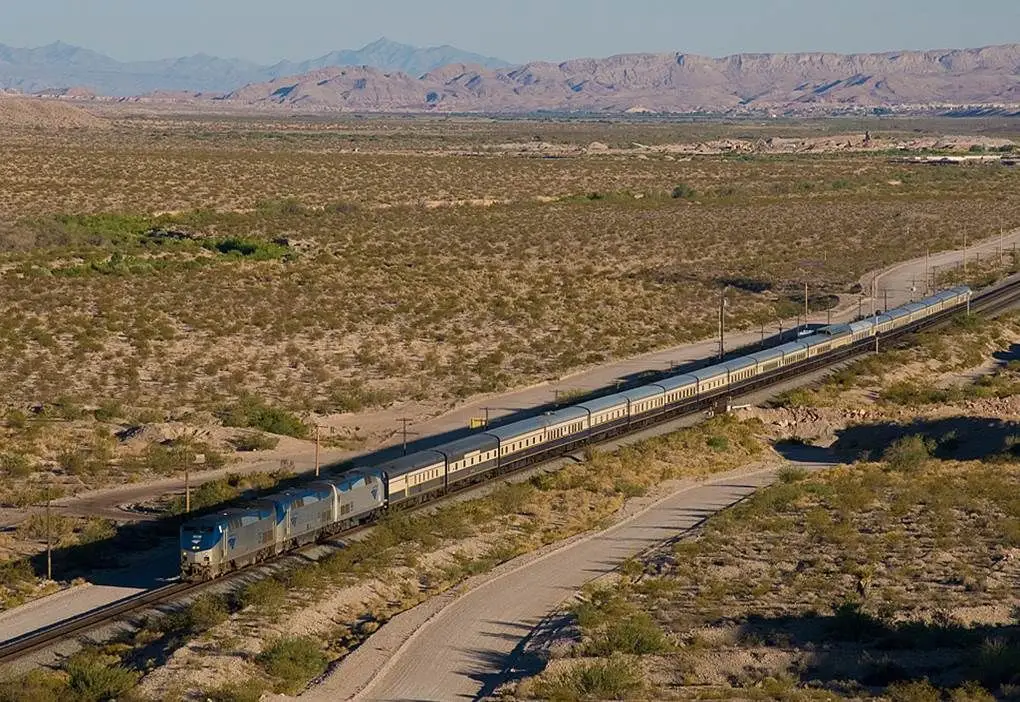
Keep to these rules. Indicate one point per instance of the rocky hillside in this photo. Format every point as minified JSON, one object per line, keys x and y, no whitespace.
{"x":667,"y":83}
{"x":59,"y":66}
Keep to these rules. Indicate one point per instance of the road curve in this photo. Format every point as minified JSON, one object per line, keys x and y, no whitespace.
{"x":461,"y":650}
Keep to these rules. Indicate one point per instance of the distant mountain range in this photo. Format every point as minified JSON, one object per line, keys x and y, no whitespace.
{"x":389,"y":77}
{"x":59,"y":66}
{"x":800,"y":83}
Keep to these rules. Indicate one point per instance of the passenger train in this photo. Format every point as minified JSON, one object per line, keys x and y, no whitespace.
{"x":217,"y":543}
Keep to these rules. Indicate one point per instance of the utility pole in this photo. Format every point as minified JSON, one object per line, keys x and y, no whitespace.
{"x":1000,"y":244}
{"x":805,"y":305}
{"x":762,"y":335}
{"x":316,"y":450}
{"x":965,"y":256}
{"x":926,"y":255}
{"x":404,"y":422}
{"x":722,"y":324}
{"x":886,"y":303}
{"x":49,"y":539}
{"x":860,"y":306}
{"x":187,"y":486}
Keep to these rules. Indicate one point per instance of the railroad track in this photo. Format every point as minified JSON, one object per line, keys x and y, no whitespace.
{"x":989,"y":301}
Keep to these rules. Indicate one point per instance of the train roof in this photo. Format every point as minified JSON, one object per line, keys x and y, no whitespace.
{"x":567,"y":414}
{"x":641,"y":393}
{"x":862,"y":325}
{"x":676,"y":381}
{"x":739,"y":363}
{"x":835,"y":330}
{"x":524,"y":426}
{"x":766,"y":354}
{"x":457,"y":449}
{"x":713,"y":371}
{"x":792,"y":347}
{"x":600,"y":404}
{"x":815,"y":340}
{"x":411,"y":463}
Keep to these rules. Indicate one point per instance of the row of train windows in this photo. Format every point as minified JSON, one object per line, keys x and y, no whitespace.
{"x":481,"y":458}
{"x":520,"y":444}
{"x":569,"y":429}
{"x":425,"y":476}
{"x":615,"y":414}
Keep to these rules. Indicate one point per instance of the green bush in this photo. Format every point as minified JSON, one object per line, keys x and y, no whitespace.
{"x":244,"y":248}
{"x":253,"y":413}
{"x":247,"y":691}
{"x":512,"y":498}
{"x":264,"y":595}
{"x":254,"y":442}
{"x":683,"y":191}
{"x":92,"y":677}
{"x":616,"y":678}
{"x":37,"y":685}
{"x":293,"y":661}
{"x":205,"y":612}
{"x":916,"y":691}
{"x":637,"y":634}
{"x":718,"y":443}
{"x":908,"y":453}
{"x":15,"y":465}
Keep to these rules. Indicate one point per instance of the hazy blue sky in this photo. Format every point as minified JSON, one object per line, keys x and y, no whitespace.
{"x":516,"y":30}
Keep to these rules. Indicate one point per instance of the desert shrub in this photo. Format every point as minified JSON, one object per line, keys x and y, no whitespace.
{"x":791,"y":474}
{"x":205,"y":612}
{"x":615,"y":678}
{"x":108,"y":410}
{"x":247,"y":691}
{"x":252,"y":412}
{"x":998,"y":663}
{"x":512,"y":498}
{"x":718,"y":443}
{"x":908,"y":453}
{"x":15,"y":465}
{"x":683,"y":191}
{"x":208,"y":494}
{"x":92,"y":677}
{"x":637,"y":634}
{"x":37,"y":685}
{"x":256,"y":250}
{"x":249,"y":441}
{"x":265,"y":595}
{"x":916,"y":691}
{"x":293,"y":661}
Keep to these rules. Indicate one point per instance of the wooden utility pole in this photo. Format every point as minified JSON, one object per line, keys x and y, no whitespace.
{"x":860,"y":306}
{"x":187,"y":486}
{"x":965,"y":256}
{"x":806,"y":311}
{"x":49,"y":538}
{"x":722,"y":323}
{"x":404,"y":421}
{"x":316,"y":450}
{"x":926,"y":255}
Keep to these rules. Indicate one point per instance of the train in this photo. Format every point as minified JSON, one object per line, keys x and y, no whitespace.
{"x":220,"y":542}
